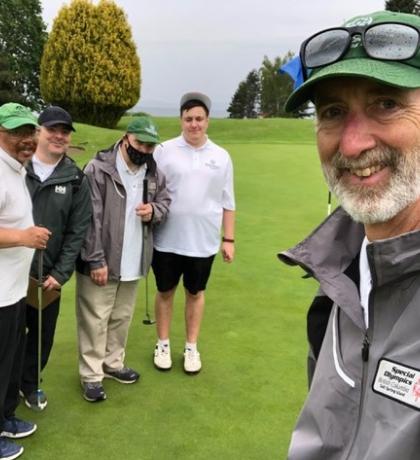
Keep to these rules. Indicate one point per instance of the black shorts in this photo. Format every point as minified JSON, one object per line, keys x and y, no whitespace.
{"x":168,"y":268}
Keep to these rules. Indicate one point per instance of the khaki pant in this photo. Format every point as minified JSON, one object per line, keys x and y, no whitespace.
{"x":104,"y":315}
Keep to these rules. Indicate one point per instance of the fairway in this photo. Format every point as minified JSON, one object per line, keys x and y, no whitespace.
{"x":244,"y":403}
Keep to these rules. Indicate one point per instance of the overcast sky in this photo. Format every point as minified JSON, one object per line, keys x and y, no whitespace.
{"x":211,"y":45}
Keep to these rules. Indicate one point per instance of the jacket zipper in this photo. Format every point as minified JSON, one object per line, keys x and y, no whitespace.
{"x":365,"y":348}
{"x":365,"y":361}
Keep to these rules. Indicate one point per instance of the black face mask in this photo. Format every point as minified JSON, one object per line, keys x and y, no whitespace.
{"x":138,"y":157}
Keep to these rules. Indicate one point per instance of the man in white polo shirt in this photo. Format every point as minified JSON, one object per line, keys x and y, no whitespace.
{"x":18,"y":238}
{"x":199,"y":176}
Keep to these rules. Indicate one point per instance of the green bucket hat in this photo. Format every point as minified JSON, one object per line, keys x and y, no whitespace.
{"x":13,"y":115}
{"x":144,"y":129}
{"x":356,"y":63}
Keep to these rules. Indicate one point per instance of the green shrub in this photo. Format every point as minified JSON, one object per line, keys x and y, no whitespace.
{"x":90,"y":64}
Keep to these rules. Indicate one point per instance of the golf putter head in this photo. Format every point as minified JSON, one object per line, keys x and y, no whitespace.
{"x":38,"y":407}
{"x":149,"y":321}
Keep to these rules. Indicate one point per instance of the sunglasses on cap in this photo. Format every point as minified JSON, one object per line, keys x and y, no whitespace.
{"x":387,"y":41}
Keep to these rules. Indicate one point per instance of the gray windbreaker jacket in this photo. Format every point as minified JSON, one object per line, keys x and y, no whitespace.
{"x":364,"y":398}
{"x":104,"y":240}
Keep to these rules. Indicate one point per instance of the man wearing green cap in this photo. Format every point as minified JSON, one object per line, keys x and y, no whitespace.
{"x":18,"y":239}
{"x":129,"y":198}
{"x":364,"y":398}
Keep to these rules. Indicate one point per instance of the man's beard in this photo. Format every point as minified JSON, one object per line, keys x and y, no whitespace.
{"x":377,"y":203}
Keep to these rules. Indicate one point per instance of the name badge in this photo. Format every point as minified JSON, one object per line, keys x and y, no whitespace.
{"x":398,"y":382}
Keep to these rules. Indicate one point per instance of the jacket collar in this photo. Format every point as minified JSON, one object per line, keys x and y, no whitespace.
{"x":329,"y":251}
{"x":181,"y":142}
{"x":64,"y":169}
{"x":326,"y":254}
{"x":107,"y":161}
{"x":330,"y":248}
{"x":394,"y":258}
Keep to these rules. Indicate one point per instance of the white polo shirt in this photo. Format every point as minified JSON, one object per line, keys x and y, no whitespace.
{"x":200,"y":184}
{"x":15,"y":212}
{"x":133,"y":229}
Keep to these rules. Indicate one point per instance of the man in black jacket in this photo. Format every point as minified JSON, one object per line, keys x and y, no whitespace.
{"x":61,"y":202}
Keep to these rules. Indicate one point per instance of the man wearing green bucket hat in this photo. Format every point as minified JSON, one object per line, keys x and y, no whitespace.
{"x":129,"y":198}
{"x":364,"y":397}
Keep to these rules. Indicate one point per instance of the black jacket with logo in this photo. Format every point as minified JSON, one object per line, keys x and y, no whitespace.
{"x":62,"y":204}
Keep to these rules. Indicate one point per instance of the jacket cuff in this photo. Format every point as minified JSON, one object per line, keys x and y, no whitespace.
{"x":95,"y":265}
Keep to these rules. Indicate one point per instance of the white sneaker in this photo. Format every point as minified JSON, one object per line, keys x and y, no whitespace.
{"x":192,"y":361}
{"x":162,"y":358}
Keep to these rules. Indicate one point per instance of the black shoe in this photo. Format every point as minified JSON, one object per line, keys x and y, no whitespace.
{"x":93,"y":391}
{"x":124,"y":375}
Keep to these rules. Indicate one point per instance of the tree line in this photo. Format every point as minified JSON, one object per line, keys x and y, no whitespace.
{"x":264,"y":92}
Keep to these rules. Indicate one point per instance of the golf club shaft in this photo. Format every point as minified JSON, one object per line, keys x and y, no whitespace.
{"x":39,"y":351}
{"x":145,"y":238}
{"x":145,"y":201}
{"x":147,"y":297}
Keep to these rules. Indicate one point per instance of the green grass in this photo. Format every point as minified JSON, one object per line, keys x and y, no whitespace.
{"x":244,"y":403}
{"x":223,"y":131}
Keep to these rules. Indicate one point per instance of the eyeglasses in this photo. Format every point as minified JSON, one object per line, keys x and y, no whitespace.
{"x":22,"y":131}
{"x":387,"y":41}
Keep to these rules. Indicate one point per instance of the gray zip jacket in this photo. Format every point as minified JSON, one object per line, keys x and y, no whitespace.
{"x":104,"y":240}
{"x":364,"y":398}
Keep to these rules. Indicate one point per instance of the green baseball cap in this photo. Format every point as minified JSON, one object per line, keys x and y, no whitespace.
{"x":356,"y":63}
{"x":13,"y":115}
{"x":144,"y":129}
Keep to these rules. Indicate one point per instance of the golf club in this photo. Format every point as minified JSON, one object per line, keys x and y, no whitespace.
{"x":147,"y":320}
{"x":39,"y":290}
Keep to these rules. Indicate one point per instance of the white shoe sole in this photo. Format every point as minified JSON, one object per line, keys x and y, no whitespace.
{"x":192,"y":372}
{"x":16,"y":455}
{"x":94,"y":400}
{"x":109,"y":376}
{"x":11,"y":435}
{"x":162,"y":368}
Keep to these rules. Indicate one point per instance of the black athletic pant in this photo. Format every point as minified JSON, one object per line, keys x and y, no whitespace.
{"x":12,"y":346}
{"x":30,"y":366}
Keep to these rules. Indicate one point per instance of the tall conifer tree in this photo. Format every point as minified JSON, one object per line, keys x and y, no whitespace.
{"x":22,"y":39}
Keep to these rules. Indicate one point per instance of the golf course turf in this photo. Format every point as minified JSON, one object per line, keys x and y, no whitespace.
{"x":244,"y":403}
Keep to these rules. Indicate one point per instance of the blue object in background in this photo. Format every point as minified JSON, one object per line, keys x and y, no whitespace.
{"x":294,"y":69}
